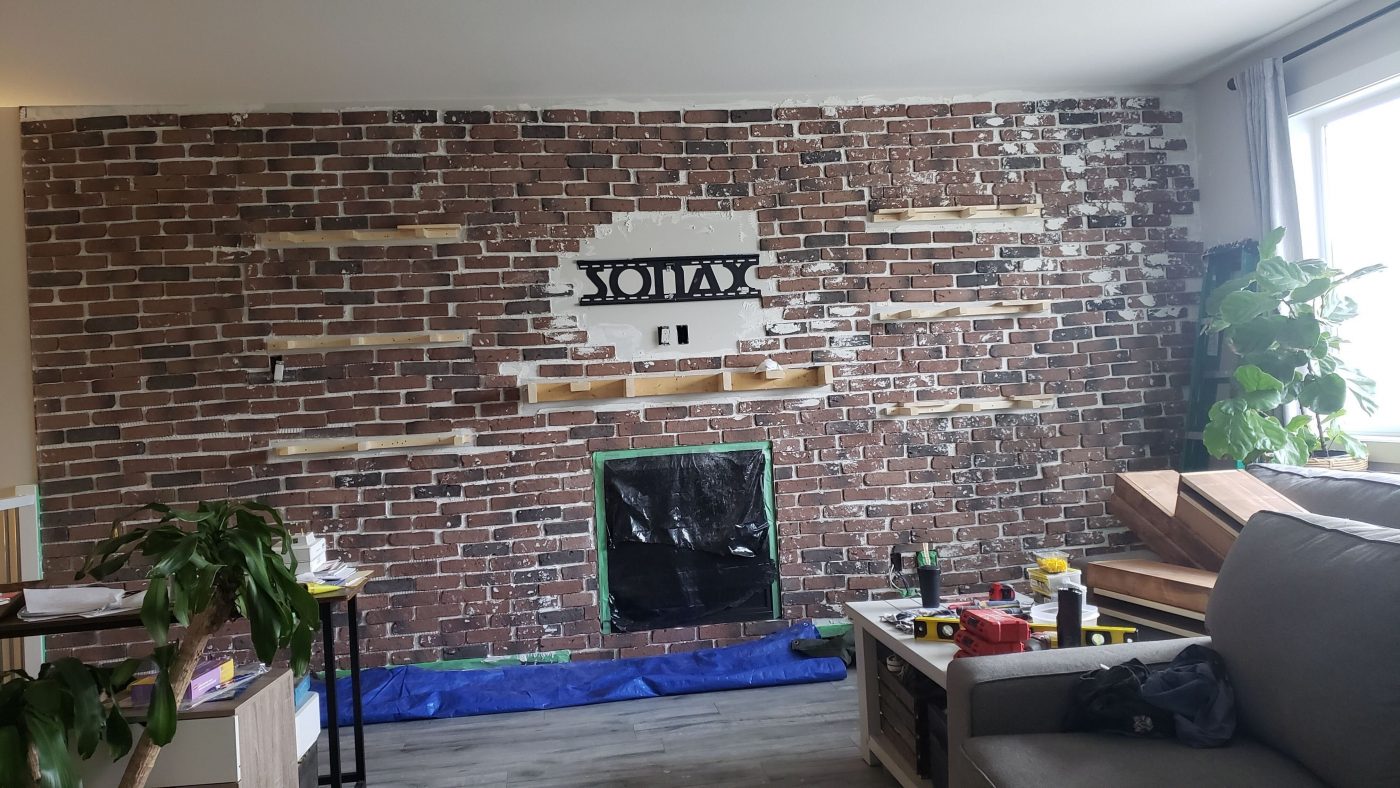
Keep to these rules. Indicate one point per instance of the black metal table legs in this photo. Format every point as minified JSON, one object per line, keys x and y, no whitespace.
{"x":337,"y":778}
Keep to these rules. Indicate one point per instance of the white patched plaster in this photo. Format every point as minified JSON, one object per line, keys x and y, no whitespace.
{"x":715,"y":326}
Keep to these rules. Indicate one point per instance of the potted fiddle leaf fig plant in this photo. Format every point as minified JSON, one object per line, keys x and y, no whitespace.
{"x":206,"y":566}
{"x":68,"y":708}
{"x":1283,"y":321}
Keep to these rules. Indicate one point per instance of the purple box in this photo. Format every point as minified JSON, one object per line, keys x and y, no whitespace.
{"x":209,"y":675}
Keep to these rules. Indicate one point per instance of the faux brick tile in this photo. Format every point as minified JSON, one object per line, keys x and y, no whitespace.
{"x":150,"y":300}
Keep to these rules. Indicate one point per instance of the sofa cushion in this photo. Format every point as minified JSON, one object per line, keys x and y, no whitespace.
{"x":1041,"y":759}
{"x":1304,"y":614}
{"x":1369,"y":497}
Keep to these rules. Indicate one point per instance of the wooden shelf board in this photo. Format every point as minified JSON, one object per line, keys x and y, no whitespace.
{"x":404,"y":232}
{"x":366,"y":340}
{"x":948,"y":213}
{"x":970,"y":405}
{"x":377,"y":443}
{"x":1023,"y":307}
{"x":708,"y":382}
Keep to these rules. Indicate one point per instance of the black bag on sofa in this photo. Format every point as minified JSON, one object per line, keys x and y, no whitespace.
{"x":1191,"y":698}
{"x":1196,"y":689}
{"x":1110,"y":700}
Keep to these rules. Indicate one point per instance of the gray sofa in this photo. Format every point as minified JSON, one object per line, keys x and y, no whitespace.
{"x":1304,"y":614}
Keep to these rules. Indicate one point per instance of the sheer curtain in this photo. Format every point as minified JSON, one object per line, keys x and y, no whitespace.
{"x":1270,"y":158}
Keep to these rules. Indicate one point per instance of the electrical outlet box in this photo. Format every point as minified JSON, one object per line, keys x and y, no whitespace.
{"x":673,"y":335}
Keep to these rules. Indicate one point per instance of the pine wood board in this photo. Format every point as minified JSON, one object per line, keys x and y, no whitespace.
{"x":1021,"y":307}
{"x":690,"y":383}
{"x":969,"y":405}
{"x":404,"y":232}
{"x":365,"y":340}
{"x":1180,"y":587}
{"x":376,"y":443}
{"x":946,"y":213}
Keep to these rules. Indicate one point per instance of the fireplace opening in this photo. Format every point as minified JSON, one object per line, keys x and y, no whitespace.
{"x":685,"y":536}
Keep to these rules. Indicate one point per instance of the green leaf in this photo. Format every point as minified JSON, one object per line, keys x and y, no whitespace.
{"x":88,"y":716}
{"x":1313,"y":289}
{"x":1295,"y":450}
{"x":155,"y":611}
{"x":1271,"y":433}
{"x":1268,"y":245}
{"x":1324,"y":394}
{"x":1298,"y":332}
{"x":1244,"y":305}
{"x":302,"y":639}
{"x":206,"y":580}
{"x":1282,"y":364}
{"x":1349,"y":444}
{"x":176,"y":557}
{"x":108,"y":555}
{"x":1252,"y":378}
{"x":253,"y":554}
{"x":118,"y":733}
{"x":56,"y":765}
{"x":1261,"y":390}
{"x":160,"y":716}
{"x":1280,"y":276}
{"x":1255,"y":335}
{"x":1232,"y":432}
{"x":1340,"y":310}
{"x":1366,"y":270}
{"x":124,"y":672}
{"x":14,"y":759}
{"x":181,"y":585}
{"x":1362,"y":389}
{"x":1223,"y":289}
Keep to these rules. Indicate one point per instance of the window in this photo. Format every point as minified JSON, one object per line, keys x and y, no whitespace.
{"x":1347,"y":163}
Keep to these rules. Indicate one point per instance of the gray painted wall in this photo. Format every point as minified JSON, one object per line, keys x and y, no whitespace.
{"x":1341,"y":65}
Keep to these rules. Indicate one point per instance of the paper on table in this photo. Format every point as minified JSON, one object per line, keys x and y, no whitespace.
{"x":62,"y":608}
{"x":69,"y":601}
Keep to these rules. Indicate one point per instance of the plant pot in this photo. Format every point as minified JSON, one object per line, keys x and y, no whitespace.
{"x":1338,"y":461}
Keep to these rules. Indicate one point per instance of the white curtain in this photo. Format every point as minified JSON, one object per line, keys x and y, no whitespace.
{"x":1270,"y":159}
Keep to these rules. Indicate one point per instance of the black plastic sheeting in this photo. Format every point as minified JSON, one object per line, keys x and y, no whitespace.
{"x":688,"y":539}
{"x":412,"y":693}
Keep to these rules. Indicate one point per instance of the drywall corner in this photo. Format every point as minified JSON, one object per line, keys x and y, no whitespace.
{"x":16,"y":384}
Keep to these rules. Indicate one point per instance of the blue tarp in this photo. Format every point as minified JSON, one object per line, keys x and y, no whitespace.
{"x":410,"y":693}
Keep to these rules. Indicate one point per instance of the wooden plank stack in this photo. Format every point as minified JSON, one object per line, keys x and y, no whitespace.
{"x":1191,"y":520}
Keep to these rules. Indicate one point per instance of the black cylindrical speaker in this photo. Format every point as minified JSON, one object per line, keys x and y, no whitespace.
{"x":928,"y":586}
{"x":1069,"y":618}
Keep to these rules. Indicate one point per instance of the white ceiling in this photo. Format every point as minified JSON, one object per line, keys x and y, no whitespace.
{"x":562,"y":52}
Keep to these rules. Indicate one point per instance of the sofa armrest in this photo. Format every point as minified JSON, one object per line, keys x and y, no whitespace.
{"x":1029,"y":693}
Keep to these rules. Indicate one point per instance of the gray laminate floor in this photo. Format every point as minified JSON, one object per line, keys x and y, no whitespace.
{"x":801,"y":735}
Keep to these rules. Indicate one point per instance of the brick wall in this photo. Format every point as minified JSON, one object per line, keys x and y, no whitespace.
{"x":150,"y":299}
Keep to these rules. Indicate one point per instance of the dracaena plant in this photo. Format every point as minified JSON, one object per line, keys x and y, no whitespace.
{"x":68,"y":708}
{"x":1283,"y":320}
{"x":204,"y":567}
